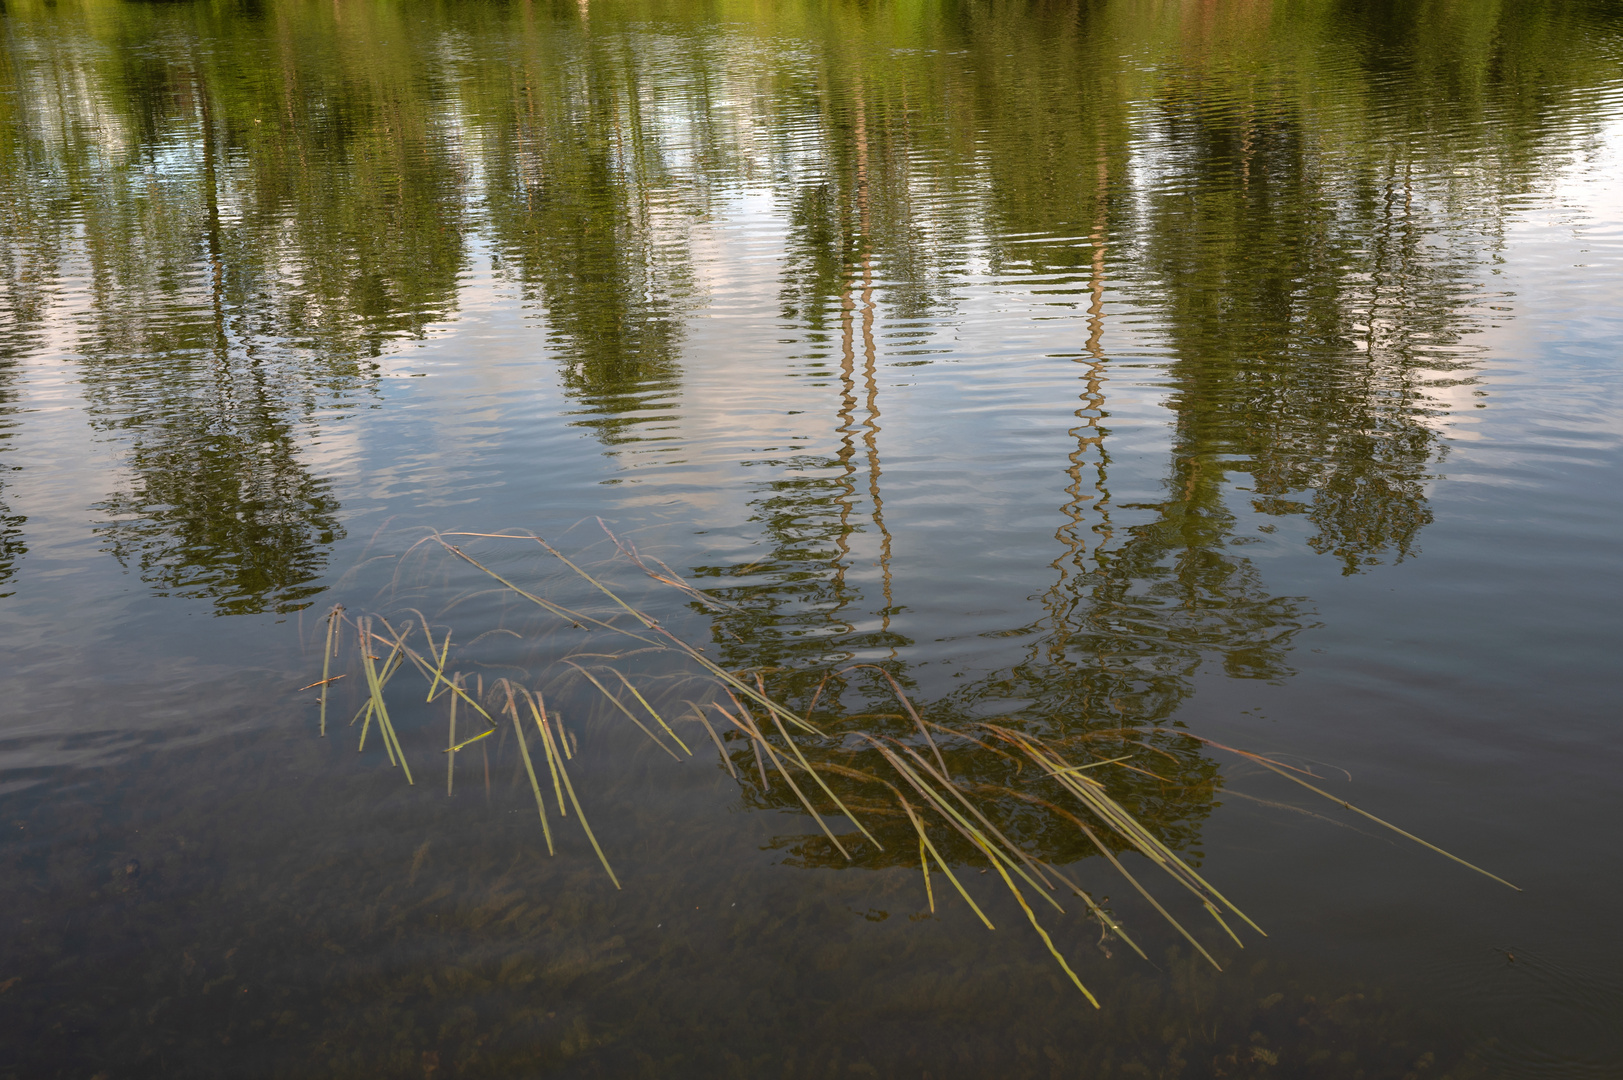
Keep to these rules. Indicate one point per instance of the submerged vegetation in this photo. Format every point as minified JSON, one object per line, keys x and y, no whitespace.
{"x":986,"y":794}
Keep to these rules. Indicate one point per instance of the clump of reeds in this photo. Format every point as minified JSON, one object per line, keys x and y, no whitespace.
{"x":900,"y":774}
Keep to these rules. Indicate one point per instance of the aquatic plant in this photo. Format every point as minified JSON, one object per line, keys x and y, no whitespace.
{"x":977,"y":793}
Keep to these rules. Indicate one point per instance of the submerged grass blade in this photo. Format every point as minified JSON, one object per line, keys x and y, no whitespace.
{"x":1281,"y":770}
{"x":804,"y":764}
{"x":1037,"y":926}
{"x":755,"y":733}
{"x":537,"y":712}
{"x":652,"y":711}
{"x":451,"y":748}
{"x":726,"y":759}
{"x":924,"y":838}
{"x":621,"y":706}
{"x":924,"y":862}
{"x":529,"y":766}
{"x":957,"y":820}
{"x":374,"y":682}
{"x":580,"y":814}
{"x":326,"y":662}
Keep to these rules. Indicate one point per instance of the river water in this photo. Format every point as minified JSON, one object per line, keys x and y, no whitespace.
{"x":1147,"y":381}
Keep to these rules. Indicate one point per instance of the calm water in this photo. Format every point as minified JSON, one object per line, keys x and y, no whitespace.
{"x":1100,"y":370}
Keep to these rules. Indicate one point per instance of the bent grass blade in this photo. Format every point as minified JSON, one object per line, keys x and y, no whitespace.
{"x":1281,"y":770}
{"x":1037,"y":926}
{"x":753,"y":732}
{"x":580,"y":814}
{"x":621,"y":706}
{"x":929,"y":845}
{"x":529,"y":766}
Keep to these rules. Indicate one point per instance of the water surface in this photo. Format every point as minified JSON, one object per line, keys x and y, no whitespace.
{"x":1236,"y":368}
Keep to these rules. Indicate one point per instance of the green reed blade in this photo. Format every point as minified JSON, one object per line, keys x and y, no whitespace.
{"x":1265,"y":763}
{"x":963,"y":824}
{"x":468,"y":742}
{"x":924,"y":862}
{"x":1094,"y":796}
{"x":1219,"y":917}
{"x":722,"y":750}
{"x":804,"y":764}
{"x":990,"y":828}
{"x":1098,"y":912}
{"x":755,"y":733}
{"x":924,"y":838}
{"x":912,"y":712}
{"x":652,"y":712}
{"x":539,"y":713}
{"x":439,"y":668}
{"x":451,"y":749}
{"x":557,"y":609}
{"x":580,"y":814}
{"x":647,"y":621}
{"x":367,"y":709}
{"x":1104,"y":849}
{"x":621,"y":706}
{"x":1037,"y":926}
{"x":391,"y":741}
{"x":529,"y":767}
{"x":326,"y":664}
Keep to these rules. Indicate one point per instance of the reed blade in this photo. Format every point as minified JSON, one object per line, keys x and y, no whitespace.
{"x":326,"y":663}
{"x":580,"y":814}
{"x":760,"y":739}
{"x":804,"y":764}
{"x":726,"y":759}
{"x":538,"y":712}
{"x":621,"y":706}
{"x":924,"y":838}
{"x":652,"y":711}
{"x":1037,"y":926}
{"x":529,"y":766}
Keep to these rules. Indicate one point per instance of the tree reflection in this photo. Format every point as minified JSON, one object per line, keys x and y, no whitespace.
{"x":1312,"y":307}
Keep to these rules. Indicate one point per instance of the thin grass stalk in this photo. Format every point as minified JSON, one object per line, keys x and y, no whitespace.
{"x":924,"y":838}
{"x":912,"y":712}
{"x":726,"y":759}
{"x":648,"y":622}
{"x":1037,"y":926}
{"x":820,"y":783}
{"x":557,"y":609}
{"x":755,"y":733}
{"x":1104,"y":849}
{"x":365,"y":725}
{"x":924,"y":863}
{"x":1099,"y":912}
{"x":1218,"y":916}
{"x":326,"y":663}
{"x":1094,"y":796}
{"x":391,"y":741}
{"x":963,"y":824}
{"x":439,"y":669}
{"x":580,"y":814}
{"x":652,"y":711}
{"x":450,"y":746}
{"x":990,"y":828}
{"x":529,"y":767}
{"x":552,"y":765}
{"x":1275,"y":767}
{"x":621,"y":706}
